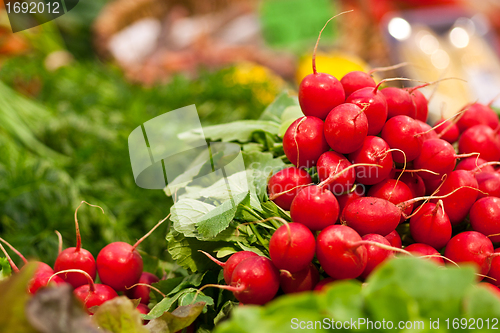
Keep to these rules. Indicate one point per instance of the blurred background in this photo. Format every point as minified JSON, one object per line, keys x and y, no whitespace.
{"x":72,"y":90}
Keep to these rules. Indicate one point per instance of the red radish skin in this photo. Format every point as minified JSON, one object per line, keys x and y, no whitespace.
{"x":142,"y":308}
{"x":480,"y":139}
{"x":119,"y":265}
{"x":471,"y":163}
{"x":401,"y":132}
{"x":255,"y":280}
{"x":431,"y":226}
{"x":357,"y":192}
{"x":369,"y":215}
{"x":485,"y":217}
{"x":292,"y":247}
{"x":346,"y":127}
{"x":375,"y":254}
{"x":322,"y":285}
{"x":233,"y":261}
{"x":41,"y":278}
{"x":494,"y":272}
{"x":421,"y":104}
{"x":374,"y":106}
{"x":142,"y":292}
{"x":426,"y":251}
{"x":304,"y":142}
{"x":448,"y":131}
{"x":432,"y":185}
{"x":284,"y":185}
{"x":319,"y":93}
{"x":399,"y":102}
{"x":337,"y":253}
{"x":393,"y":191}
{"x":471,"y":247}
{"x":332,"y":163}
{"x":436,"y":155}
{"x":429,"y":132}
{"x":315,"y":207}
{"x":303,"y":280}
{"x":394,"y":239}
{"x":477,"y":114}
{"x":458,"y":204}
{"x":356,"y":80}
{"x":488,"y":183}
{"x":414,"y":183}
{"x":374,"y":151}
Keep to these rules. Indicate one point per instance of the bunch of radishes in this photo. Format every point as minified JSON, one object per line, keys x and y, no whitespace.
{"x":119,"y":266}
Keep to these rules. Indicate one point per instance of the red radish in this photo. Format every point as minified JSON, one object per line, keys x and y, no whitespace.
{"x":315,"y":207}
{"x":488,"y":183}
{"x":471,"y":247}
{"x":421,"y":104}
{"x":458,"y":204}
{"x":485,"y":217}
{"x":399,"y":102}
{"x":143,"y":308}
{"x":401,"y":132}
{"x":91,"y":294}
{"x":393,"y":191}
{"x":356,"y":80}
{"x":494,"y":272}
{"x":231,"y":263}
{"x":436,"y":155}
{"x":448,"y":131}
{"x":321,"y":285}
{"x":425,"y":251}
{"x":432,"y":185}
{"x":292,"y":247}
{"x":338,"y":254}
{"x":140,"y":291}
{"x":374,"y":106}
{"x":304,"y":142}
{"x":428,"y":132}
{"x":120,"y":265}
{"x":357,"y":191}
{"x":374,"y":151}
{"x":319,"y":93}
{"x":477,"y":114}
{"x":414,"y":183}
{"x":430,"y":225}
{"x":471,"y":163}
{"x":375,"y":255}
{"x":480,"y":139}
{"x":394,"y":239}
{"x":76,"y":258}
{"x":331,"y":164}
{"x":284,"y":185}
{"x":303,"y":280}
{"x":346,"y":127}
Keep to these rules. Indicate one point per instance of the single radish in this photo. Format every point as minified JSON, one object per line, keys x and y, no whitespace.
{"x":76,"y":258}
{"x":292,"y":247}
{"x":471,"y":247}
{"x":421,"y":104}
{"x":458,"y":204}
{"x":120,"y":265}
{"x":477,"y":114}
{"x":399,"y":102}
{"x":401,"y":132}
{"x":346,"y":127}
{"x":319,"y":93}
{"x":414,"y":183}
{"x":356,"y":80}
{"x":393,"y":191}
{"x":357,"y":191}
{"x":448,"y":131}
{"x":303,"y":280}
{"x":304,"y":142}
{"x":331,"y":164}
{"x":142,"y":291}
{"x":284,"y":185}
{"x":425,"y":252}
{"x":426,"y":131}
{"x":231,"y":263}
{"x":375,"y":254}
{"x":91,"y":294}
{"x":485,"y":217}
{"x":339,"y":254}
{"x":480,"y":139}
{"x":315,"y":207}
{"x":321,"y":285}
{"x":394,"y":239}
{"x":373,"y":151}
{"x":494,"y":272}
{"x":374,"y":105}
{"x":438,"y":156}
{"x":488,"y":183}
{"x":430,"y":225}
{"x":471,"y":163}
